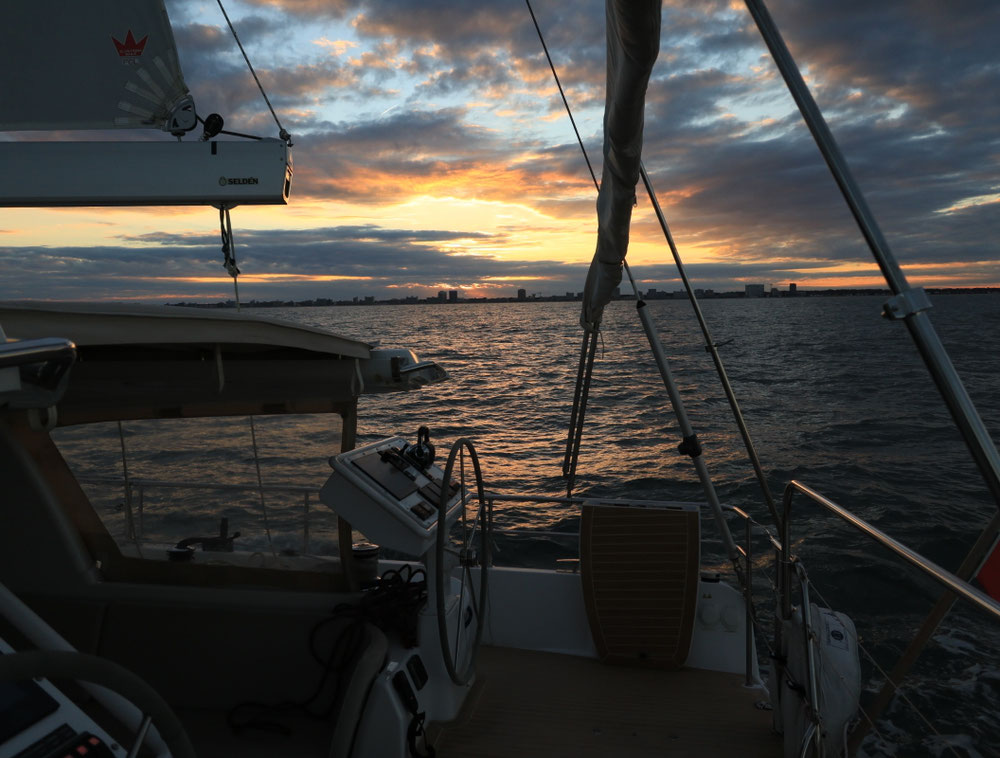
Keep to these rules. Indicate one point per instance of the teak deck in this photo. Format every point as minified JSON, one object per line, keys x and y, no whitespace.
{"x":543,"y":704}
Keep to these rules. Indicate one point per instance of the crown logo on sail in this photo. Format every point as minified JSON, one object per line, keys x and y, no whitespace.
{"x":130,"y":48}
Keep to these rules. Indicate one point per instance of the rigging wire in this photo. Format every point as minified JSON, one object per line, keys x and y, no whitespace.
{"x":588,"y":349}
{"x":583,"y":374}
{"x":583,"y":384}
{"x":562,"y":94}
{"x":712,"y":348}
{"x":281,"y":130}
{"x":572,"y":120}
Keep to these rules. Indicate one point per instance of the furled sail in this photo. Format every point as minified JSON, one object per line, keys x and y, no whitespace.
{"x":633,"y":34}
{"x":102,"y":64}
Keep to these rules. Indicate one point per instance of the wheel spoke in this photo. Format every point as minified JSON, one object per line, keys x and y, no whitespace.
{"x":470,"y":533}
{"x":459,"y":653}
{"x":472,"y":594}
{"x":460,"y":627}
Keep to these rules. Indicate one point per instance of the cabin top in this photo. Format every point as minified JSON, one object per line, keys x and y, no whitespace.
{"x":102,"y":324}
{"x":138,"y":362}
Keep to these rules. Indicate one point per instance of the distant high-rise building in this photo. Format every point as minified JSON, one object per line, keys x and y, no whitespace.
{"x":452,"y":296}
{"x":369,"y":299}
{"x":753,"y":290}
{"x":442,"y":296}
{"x":522,"y":295}
{"x":792,"y":288}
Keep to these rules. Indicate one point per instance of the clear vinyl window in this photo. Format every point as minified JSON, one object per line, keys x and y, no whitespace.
{"x":194,"y":482}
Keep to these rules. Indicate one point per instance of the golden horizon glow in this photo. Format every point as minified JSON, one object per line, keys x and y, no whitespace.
{"x":451,"y":143}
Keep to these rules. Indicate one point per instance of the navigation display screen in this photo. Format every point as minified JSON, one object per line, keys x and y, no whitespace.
{"x":22,"y":704}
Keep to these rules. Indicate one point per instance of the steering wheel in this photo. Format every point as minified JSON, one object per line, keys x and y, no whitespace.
{"x":69,"y":664}
{"x":476,"y":532}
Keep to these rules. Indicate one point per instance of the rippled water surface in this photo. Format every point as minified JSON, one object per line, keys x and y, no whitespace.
{"x":834,"y":396}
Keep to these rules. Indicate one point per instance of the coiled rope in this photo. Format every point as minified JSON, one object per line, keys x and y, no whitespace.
{"x":229,"y":249}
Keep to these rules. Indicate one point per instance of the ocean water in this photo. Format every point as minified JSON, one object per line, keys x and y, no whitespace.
{"x":834,"y":396}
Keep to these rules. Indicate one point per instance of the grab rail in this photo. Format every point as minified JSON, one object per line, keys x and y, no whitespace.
{"x":940,"y":575}
{"x":22,"y":353}
{"x":39,"y":368}
{"x":787,"y":563}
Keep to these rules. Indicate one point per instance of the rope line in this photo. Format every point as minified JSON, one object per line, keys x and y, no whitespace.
{"x":229,"y":249}
{"x":130,"y":531}
{"x":281,"y":130}
{"x":574,"y":435}
{"x":260,"y":490}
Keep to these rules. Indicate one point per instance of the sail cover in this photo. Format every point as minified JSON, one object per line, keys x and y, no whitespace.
{"x":633,"y":32}
{"x":101,"y":64}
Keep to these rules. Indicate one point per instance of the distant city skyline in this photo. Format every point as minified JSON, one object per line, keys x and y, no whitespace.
{"x":436,"y":155}
{"x":748,"y":292}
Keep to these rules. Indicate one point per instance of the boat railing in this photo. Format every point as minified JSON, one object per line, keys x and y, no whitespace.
{"x":135,"y":490}
{"x":790,"y":567}
{"x":139,"y":487}
{"x":942,"y":576}
{"x":42,"y":350}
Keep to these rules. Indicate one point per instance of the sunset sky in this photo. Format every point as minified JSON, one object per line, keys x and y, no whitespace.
{"x":432,"y":152}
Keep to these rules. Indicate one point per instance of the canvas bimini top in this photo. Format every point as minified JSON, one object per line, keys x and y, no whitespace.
{"x":167,"y":362}
{"x":89,"y":324}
